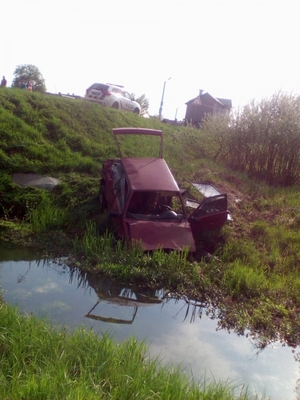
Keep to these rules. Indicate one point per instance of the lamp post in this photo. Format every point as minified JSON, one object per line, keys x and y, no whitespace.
{"x":162,"y":99}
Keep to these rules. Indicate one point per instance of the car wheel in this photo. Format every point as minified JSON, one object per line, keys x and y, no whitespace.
{"x":116,"y":105}
{"x":136,"y":111}
{"x":102,"y":199}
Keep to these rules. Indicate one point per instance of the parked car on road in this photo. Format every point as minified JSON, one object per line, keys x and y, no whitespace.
{"x":145,"y":203}
{"x":112,"y":96}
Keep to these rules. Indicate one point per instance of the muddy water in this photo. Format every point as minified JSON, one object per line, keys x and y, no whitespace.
{"x":176,"y":331}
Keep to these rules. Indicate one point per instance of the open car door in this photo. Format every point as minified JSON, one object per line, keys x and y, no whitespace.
{"x":209,"y":214}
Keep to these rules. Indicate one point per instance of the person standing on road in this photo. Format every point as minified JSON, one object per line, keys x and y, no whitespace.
{"x":3,"y":82}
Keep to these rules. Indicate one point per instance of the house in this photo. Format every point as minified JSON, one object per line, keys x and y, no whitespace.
{"x":204,"y":104}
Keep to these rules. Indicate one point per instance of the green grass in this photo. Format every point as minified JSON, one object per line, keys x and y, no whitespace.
{"x":38,"y":363}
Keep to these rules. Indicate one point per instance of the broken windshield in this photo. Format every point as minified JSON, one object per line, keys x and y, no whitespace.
{"x":155,"y":205}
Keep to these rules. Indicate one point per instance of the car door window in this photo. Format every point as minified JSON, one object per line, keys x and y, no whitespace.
{"x":127,"y":96}
{"x":119,"y":186}
{"x":211,"y":205}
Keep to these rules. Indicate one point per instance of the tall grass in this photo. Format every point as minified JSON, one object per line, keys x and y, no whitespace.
{"x":128,"y":261}
{"x":46,"y":216}
{"x":244,"y":279}
{"x":40,"y":363}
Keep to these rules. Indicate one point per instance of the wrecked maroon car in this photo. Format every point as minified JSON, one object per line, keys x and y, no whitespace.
{"x":145,"y":203}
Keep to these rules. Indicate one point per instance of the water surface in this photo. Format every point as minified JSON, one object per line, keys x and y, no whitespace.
{"x":176,"y":332}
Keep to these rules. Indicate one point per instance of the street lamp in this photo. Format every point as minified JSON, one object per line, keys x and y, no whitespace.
{"x":162,"y":98}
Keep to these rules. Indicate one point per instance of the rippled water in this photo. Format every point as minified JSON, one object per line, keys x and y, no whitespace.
{"x":177,"y":332}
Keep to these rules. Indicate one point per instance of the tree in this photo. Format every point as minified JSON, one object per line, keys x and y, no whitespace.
{"x":25,"y":73}
{"x":143,"y":102}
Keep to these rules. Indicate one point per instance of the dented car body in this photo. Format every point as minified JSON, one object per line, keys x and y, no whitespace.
{"x":146,"y":205}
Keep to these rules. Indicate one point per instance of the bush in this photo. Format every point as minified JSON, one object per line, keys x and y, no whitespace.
{"x":263,"y":139}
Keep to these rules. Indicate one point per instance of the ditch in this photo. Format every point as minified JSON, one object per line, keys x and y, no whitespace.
{"x":178,"y":331}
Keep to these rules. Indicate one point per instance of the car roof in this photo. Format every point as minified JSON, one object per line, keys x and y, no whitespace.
{"x":107,"y":85}
{"x":115,"y":85}
{"x":149,"y":174}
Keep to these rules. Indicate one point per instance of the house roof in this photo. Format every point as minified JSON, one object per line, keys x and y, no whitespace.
{"x":148,"y":174}
{"x":201,"y":99}
{"x":226,"y":102}
{"x":195,"y":100}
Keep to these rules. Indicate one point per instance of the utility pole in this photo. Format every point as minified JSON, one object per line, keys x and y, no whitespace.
{"x":162,"y":99}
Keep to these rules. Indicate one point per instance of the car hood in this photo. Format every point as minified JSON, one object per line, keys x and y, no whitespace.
{"x":158,"y":234}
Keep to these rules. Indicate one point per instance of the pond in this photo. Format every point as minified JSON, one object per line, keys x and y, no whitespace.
{"x":177,"y":331}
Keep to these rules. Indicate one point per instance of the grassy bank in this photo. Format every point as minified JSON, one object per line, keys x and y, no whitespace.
{"x":39,"y":363}
{"x":252,"y":272}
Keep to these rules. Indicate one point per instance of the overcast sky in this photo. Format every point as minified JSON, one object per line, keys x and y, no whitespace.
{"x":235,"y":49}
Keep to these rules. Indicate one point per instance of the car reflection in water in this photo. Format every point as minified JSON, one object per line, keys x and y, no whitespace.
{"x":113,"y":292}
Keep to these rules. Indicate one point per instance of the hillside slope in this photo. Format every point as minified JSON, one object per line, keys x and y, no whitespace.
{"x":69,"y":139}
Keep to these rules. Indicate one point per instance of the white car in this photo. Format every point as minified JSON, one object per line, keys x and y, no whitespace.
{"x":112,"y":96}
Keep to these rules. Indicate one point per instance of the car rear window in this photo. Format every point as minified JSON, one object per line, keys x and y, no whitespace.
{"x":99,"y":86}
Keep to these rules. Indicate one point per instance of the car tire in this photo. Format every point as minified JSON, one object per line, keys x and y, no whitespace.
{"x":102,"y":199}
{"x":115,"y":105}
{"x":136,"y":111}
